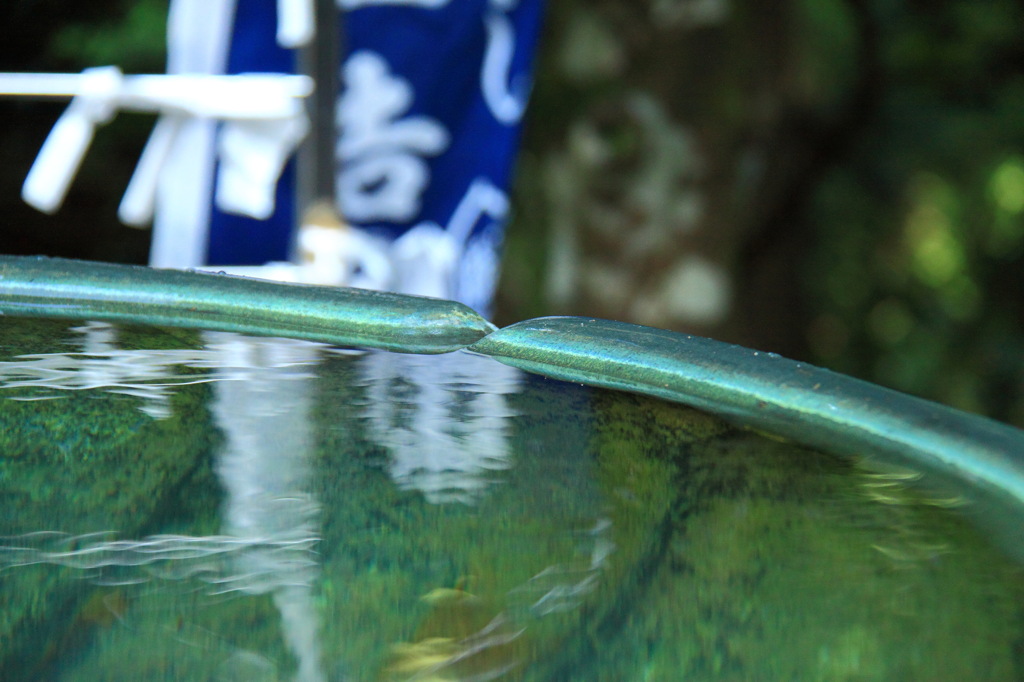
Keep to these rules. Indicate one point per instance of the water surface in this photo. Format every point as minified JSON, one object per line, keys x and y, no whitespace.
{"x":189,"y":506}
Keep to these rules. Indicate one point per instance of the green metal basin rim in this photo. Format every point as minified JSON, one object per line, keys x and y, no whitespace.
{"x":807,"y":404}
{"x":54,"y":287}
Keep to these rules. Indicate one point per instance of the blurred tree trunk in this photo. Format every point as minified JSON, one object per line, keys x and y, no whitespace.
{"x":666,"y":143}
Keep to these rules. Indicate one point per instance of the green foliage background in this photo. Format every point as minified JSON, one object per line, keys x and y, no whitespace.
{"x":914,"y":278}
{"x":905,"y":235}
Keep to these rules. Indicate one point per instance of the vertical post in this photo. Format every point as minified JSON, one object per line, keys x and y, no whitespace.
{"x":317,"y":158}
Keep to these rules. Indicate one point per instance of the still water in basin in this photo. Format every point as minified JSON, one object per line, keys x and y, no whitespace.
{"x":204,"y":506}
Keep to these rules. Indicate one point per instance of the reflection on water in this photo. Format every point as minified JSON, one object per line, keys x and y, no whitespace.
{"x":101,"y":365}
{"x":562,"y":587}
{"x":443,"y":424}
{"x":262,"y":403}
{"x":442,"y":419}
{"x":221,"y":507}
{"x":171,"y":557}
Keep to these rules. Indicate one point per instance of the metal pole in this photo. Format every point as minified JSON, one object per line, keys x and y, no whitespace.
{"x":317,"y":161}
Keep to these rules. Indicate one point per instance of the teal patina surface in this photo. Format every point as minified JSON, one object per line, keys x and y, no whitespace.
{"x":805,"y":403}
{"x":68,"y":289}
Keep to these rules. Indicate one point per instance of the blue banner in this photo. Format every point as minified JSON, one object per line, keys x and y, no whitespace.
{"x":432,"y":95}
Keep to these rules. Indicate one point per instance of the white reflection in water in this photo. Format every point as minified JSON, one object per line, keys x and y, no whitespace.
{"x":263,"y":405}
{"x":151,"y":375}
{"x":263,"y":398}
{"x":563,"y":587}
{"x":175,"y":557}
{"x":442,"y":418}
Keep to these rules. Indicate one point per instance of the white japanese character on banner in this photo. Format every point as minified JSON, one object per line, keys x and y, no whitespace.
{"x":504,"y":93}
{"x":383,"y":173}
